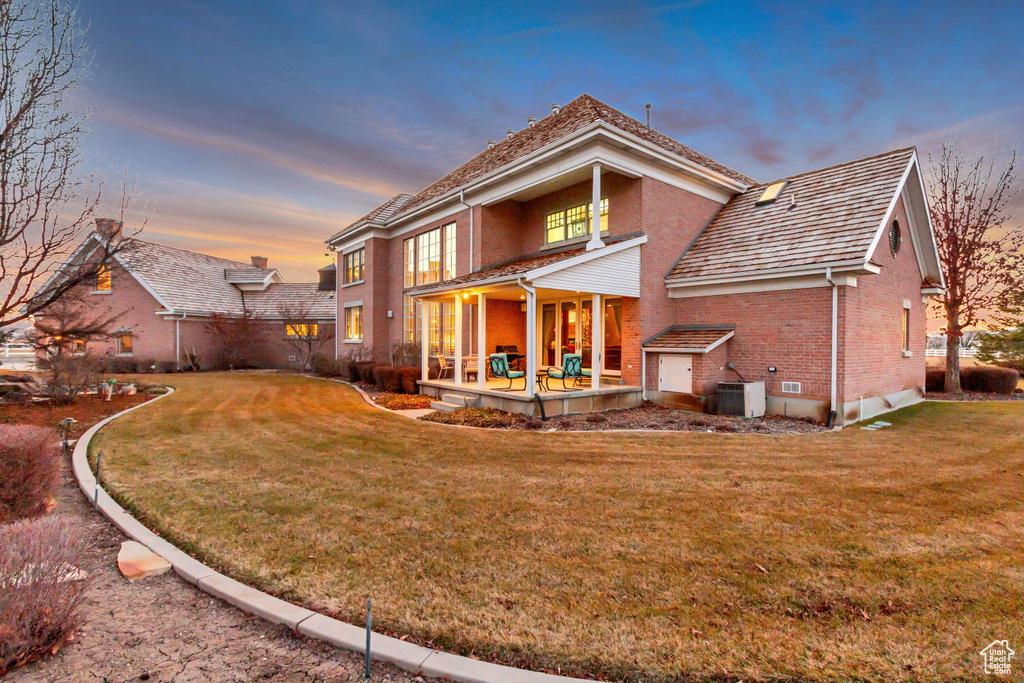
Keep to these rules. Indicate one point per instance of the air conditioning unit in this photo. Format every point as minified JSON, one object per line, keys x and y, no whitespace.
{"x":741,"y":399}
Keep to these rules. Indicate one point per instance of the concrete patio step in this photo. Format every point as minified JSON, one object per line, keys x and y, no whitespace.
{"x":461,"y":400}
{"x":446,"y":407}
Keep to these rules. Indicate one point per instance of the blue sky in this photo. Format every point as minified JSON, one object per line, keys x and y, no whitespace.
{"x":258,"y":127}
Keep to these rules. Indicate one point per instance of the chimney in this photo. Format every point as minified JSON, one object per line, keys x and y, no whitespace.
{"x":109,"y":228}
{"x":509,"y":133}
{"x":555,"y":109}
{"x":648,"y":108}
{"x":259,"y":261}
{"x":531,"y":121}
{"x":491,"y":144}
{"x":328,"y":278}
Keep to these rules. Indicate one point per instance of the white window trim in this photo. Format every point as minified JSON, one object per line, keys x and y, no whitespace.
{"x":101,"y":291}
{"x":348,"y":305}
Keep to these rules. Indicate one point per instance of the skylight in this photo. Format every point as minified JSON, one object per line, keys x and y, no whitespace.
{"x":772,"y":192}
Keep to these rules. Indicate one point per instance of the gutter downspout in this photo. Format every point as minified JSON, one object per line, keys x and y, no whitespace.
{"x":835,"y":337}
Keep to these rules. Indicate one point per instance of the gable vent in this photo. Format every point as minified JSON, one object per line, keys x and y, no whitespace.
{"x":791,"y":387}
{"x":895,"y":237}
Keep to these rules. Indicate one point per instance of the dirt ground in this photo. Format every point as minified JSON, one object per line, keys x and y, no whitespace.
{"x":164,"y":629}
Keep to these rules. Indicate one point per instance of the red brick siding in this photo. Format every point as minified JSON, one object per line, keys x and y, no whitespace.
{"x":871,"y":341}
{"x":791,"y":330}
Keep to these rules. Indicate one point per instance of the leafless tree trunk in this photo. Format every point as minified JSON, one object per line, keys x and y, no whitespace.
{"x":240,"y":339}
{"x":979,"y":249}
{"x":46,"y":201}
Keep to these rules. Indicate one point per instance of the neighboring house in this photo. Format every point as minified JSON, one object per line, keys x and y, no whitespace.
{"x":164,"y":298}
{"x":687,"y":275}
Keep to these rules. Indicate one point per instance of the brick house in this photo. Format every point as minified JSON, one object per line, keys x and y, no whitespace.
{"x":688,"y":275}
{"x":164,"y":298}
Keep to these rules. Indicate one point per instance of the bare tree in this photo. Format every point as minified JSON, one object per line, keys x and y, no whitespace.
{"x":979,"y":249}
{"x":46,"y":200}
{"x":239,"y":338}
{"x":304,"y":333}
{"x":63,"y":336}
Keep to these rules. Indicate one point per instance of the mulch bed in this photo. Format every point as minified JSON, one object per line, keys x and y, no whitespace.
{"x":87,"y":410}
{"x":393,"y":401}
{"x":975,"y":396}
{"x":646,"y":416}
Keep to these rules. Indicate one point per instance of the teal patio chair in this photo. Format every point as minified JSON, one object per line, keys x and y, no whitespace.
{"x":571,"y":368}
{"x":499,"y":369}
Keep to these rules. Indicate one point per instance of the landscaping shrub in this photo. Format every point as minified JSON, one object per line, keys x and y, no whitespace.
{"x":595,"y":417}
{"x":364,"y":369}
{"x":144,"y":367}
{"x":1017,"y":365}
{"x":350,"y":370}
{"x":409,"y":377}
{"x":119,"y":366}
{"x":935,"y":379}
{"x":989,"y":379}
{"x":325,"y":366}
{"x":40,"y":588}
{"x":386,"y":378}
{"x":405,"y":355}
{"x":166,"y":367}
{"x":29,"y":471}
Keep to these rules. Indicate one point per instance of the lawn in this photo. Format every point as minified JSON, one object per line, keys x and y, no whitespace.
{"x":888,"y":555}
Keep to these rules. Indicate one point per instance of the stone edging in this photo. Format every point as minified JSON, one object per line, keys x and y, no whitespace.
{"x":408,"y":656}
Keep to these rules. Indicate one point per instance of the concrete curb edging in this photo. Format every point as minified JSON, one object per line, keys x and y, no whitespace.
{"x":413,"y":658}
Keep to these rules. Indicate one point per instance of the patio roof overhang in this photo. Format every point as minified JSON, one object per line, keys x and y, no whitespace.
{"x":613,"y":270}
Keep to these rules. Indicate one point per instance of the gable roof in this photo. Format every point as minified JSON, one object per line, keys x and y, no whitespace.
{"x":836,"y":218}
{"x":693,"y":338}
{"x":578,"y":114}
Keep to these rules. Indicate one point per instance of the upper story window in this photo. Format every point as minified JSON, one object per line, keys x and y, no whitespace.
{"x":353,"y":264}
{"x":430,"y":256}
{"x":104,"y":279}
{"x":78,"y":346}
{"x":573,"y":222}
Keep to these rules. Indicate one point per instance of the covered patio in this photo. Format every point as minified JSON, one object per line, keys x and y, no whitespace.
{"x":558,"y":317}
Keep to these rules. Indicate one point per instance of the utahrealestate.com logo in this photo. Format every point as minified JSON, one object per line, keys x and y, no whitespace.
{"x":997,"y":658}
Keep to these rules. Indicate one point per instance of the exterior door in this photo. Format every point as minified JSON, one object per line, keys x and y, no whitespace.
{"x":675,"y":373}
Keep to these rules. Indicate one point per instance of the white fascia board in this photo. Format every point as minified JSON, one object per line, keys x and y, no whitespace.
{"x":912,"y":229}
{"x":145,"y":285}
{"x":584,"y":258}
{"x":775,"y":284}
{"x":855,"y":266}
{"x":933,"y":253}
{"x":720,"y":341}
{"x":70,"y":259}
{"x":880,"y":230}
{"x":353,"y":229}
{"x":475,"y":285}
{"x":351,"y":246}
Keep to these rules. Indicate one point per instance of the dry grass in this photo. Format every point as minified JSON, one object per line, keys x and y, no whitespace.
{"x":888,"y":555}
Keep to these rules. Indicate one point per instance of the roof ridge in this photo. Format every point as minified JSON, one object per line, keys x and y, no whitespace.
{"x":851,"y":162}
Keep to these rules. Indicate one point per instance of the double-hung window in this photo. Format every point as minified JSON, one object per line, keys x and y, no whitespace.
{"x":428,"y":258}
{"x":104,"y":279}
{"x":125,"y":344}
{"x":301,"y":329}
{"x":353,"y":323}
{"x":573,"y":222}
{"x":353,"y":264}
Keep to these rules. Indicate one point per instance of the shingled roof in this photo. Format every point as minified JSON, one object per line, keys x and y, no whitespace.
{"x":574,"y":116}
{"x":837,"y":212}
{"x":293,"y":298}
{"x":694,"y":338}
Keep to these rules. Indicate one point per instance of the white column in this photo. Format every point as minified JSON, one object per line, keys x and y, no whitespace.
{"x":596,"y":342}
{"x":595,"y":224}
{"x":481,"y":341}
{"x":458,"y":340}
{"x":424,"y":341}
{"x":531,"y":341}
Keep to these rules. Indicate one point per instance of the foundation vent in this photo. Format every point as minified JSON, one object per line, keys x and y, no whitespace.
{"x":791,"y":387}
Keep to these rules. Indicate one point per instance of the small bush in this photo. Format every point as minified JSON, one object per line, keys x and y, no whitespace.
{"x":935,"y":379}
{"x":409,"y":378}
{"x":386,"y":378}
{"x":989,"y":379}
{"x":364,"y":371}
{"x":405,"y":355}
{"x":40,"y":589}
{"x":29,"y":471}
{"x":595,"y":417}
{"x":533,"y":424}
{"x":166,"y":367}
{"x":120,"y":366}
{"x":144,"y":367}
{"x":1017,"y":365}
{"x":325,"y":366}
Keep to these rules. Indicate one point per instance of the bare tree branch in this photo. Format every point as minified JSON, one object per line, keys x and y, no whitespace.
{"x":979,"y":248}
